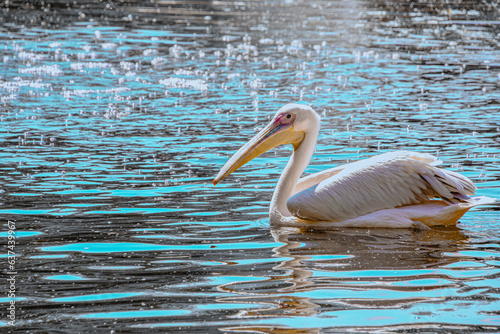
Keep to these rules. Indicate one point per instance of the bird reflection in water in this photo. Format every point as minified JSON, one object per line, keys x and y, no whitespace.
{"x":344,"y":263}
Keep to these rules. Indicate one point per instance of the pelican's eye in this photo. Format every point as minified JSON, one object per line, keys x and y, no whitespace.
{"x":286,"y":118}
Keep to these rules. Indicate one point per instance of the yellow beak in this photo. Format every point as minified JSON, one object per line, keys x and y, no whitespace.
{"x":271,"y":136}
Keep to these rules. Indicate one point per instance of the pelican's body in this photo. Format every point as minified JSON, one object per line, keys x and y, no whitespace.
{"x":392,"y":190}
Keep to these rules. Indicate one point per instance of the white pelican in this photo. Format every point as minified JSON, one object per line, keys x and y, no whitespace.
{"x":392,"y":190}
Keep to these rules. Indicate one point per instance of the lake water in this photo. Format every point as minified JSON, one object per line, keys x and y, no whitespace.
{"x":115,"y":118}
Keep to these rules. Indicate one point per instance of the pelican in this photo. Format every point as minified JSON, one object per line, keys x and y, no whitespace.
{"x":398,"y":189}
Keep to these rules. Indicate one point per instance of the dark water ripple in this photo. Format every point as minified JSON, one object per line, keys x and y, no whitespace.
{"x":116,"y":116}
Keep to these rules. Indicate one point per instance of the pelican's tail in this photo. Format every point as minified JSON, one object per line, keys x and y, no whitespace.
{"x":481,"y":200}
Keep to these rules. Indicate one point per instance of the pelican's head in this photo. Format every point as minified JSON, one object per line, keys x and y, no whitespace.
{"x":289,"y":126}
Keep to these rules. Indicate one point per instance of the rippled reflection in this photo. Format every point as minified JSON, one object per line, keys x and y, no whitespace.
{"x":376,"y":277}
{"x":357,"y":268}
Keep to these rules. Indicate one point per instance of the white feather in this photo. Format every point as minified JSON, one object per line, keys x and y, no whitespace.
{"x":381,"y":182}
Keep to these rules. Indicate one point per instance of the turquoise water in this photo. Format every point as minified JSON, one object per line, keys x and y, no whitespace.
{"x":114,"y":126}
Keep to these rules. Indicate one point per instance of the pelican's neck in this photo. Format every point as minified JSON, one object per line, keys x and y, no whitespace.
{"x":294,"y":168}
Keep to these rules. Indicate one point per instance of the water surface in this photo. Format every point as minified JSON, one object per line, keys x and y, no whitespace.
{"x":116,"y":119}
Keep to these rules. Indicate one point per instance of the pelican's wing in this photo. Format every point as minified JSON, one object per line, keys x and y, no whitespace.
{"x":382,"y":182}
{"x":313,"y":179}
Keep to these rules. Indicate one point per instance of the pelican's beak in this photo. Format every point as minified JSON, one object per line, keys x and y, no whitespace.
{"x":274,"y":134}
